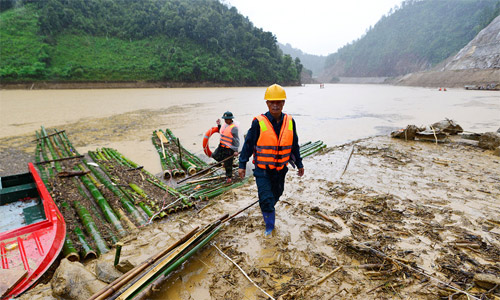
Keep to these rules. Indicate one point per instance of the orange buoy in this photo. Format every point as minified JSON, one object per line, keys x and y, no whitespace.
{"x":444,"y":89}
{"x":207,"y":136}
{"x":439,"y":89}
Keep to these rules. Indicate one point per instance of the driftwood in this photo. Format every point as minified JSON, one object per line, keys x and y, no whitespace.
{"x":336,"y":226}
{"x":306,"y":287}
{"x":46,"y":136}
{"x":58,"y":159}
{"x":72,"y":173}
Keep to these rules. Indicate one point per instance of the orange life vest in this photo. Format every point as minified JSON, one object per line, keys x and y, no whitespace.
{"x":271,"y":152}
{"x":226,"y":136}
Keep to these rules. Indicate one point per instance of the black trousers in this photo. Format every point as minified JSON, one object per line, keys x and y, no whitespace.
{"x":222,"y":153}
{"x":270,"y":186}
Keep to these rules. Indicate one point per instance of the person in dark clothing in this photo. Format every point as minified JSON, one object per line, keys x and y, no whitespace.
{"x":272,"y":140}
{"x":229,"y":143}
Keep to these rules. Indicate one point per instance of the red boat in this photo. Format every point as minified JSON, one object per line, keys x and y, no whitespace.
{"x":32,"y":232}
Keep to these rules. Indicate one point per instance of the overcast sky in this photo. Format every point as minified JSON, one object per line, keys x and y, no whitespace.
{"x":314,"y":26}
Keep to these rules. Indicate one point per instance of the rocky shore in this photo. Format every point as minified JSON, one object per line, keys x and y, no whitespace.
{"x":450,"y":78}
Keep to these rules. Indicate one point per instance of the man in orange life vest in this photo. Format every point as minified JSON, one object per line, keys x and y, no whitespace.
{"x":229,"y":143}
{"x":272,"y":140}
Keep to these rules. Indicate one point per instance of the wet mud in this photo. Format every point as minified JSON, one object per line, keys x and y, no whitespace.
{"x":421,"y":235}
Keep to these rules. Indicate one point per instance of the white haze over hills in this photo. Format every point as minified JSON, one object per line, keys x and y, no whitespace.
{"x":316,"y":27}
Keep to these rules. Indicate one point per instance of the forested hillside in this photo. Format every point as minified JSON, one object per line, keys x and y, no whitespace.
{"x":416,"y":36}
{"x":315,"y":63}
{"x":129,"y":40}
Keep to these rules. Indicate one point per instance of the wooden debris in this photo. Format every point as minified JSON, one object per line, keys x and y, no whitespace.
{"x":486,"y":281}
{"x":72,"y":173}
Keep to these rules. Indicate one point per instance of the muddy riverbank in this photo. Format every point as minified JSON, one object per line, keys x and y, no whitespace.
{"x":48,"y":85}
{"x":406,"y":220}
{"x":450,"y":78}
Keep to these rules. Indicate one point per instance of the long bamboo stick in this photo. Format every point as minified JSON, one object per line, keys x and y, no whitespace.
{"x":90,"y":227}
{"x":108,"y":212}
{"x":175,"y":258}
{"x":174,"y":266}
{"x":206,"y":169}
{"x":119,"y":282}
{"x":106,"y":154}
{"x":69,"y":250}
{"x":167,"y":170}
{"x":87,"y":251}
{"x":196,"y":160}
{"x":129,"y":207}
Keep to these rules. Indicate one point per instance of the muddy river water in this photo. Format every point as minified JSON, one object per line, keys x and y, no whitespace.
{"x":125,"y":118}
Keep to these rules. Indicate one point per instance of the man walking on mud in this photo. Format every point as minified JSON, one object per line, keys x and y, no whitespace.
{"x":229,"y":143}
{"x":272,"y":140}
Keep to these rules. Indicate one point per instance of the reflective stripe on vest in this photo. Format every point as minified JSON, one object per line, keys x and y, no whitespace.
{"x":269,"y":151}
{"x":226,"y":136}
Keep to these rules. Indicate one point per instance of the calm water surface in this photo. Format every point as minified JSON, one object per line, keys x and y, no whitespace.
{"x":125,"y":118}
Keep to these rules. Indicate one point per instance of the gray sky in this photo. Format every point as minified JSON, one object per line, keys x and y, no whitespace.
{"x":314,"y":26}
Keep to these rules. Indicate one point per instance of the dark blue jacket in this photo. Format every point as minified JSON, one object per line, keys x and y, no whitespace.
{"x":254,"y":134}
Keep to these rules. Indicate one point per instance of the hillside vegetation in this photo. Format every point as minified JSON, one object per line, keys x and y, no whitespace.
{"x":415,"y":36}
{"x":129,"y":40}
{"x":315,"y":63}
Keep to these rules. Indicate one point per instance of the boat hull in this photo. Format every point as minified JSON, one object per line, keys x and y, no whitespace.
{"x":27,"y":252}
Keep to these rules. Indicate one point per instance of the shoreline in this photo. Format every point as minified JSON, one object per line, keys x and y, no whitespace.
{"x":54,"y":85}
{"x":446,"y":78}
{"x":449,"y":78}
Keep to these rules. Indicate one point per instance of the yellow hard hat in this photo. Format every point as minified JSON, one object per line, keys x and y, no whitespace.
{"x":275,"y":92}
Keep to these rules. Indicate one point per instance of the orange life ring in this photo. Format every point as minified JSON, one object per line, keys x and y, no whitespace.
{"x":207,"y":136}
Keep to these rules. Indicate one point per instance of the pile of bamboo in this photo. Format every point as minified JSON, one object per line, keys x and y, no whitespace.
{"x":99,"y":204}
{"x":174,"y":158}
{"x":105,"y":199}
{"x":310,"y":148}
{"x":55,"y":155}
{"x":139,"y":282}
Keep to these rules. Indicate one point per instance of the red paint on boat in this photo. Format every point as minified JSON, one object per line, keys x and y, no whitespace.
{"x":33,"y":247}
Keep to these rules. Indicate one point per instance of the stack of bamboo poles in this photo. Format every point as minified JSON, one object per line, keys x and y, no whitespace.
{"x":139,"y":282}
{"x":174,"y":158}
{"x":88,"y":204}
{"x":115,"y":165}
{"x":310,"y":148}
{"x":99,"y":206}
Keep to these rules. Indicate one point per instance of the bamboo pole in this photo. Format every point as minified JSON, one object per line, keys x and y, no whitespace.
{"x":59,"y":159}
{"x":141,"y":290}
{"x":105,"y":154}
{"x":69,"y":250}
{"x":119,"y":282}
{"x":196,"y":160}
{"x":129,"y":207}
{"x":86,"y":250}
{"x":206,"y":169}
{"x":167,"y":170}
{"x":348,"y":160}
{"x":57,"y":132}
{"x":90,"y":227}
{"x":172,"y":261}
{"x":206,"y":179}
{"x":176,"y":168}
{"x":104,"y":206}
